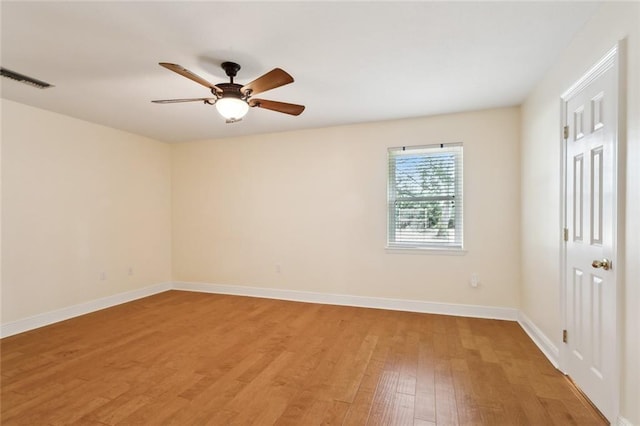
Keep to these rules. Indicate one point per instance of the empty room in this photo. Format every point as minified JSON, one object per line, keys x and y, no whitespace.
{"x":319,"y":212}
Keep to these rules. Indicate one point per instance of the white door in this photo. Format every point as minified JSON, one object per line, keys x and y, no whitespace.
{"x":590,"y":110}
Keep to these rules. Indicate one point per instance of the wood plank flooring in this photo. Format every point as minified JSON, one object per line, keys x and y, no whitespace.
{"x":181,"y":358}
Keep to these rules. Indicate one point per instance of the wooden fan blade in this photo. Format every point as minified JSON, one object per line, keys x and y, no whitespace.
{"x":274,"y":78}
{"x":292,"y":109}
{"x":174,"y":101}
{"x":191,"y":76}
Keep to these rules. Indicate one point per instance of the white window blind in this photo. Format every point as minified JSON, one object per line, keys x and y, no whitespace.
{"x":425,"y":197}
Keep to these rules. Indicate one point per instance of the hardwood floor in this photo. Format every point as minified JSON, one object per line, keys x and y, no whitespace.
{"x":185,"y":358}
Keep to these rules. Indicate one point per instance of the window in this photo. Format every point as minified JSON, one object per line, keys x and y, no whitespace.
{"x":425,"y":197}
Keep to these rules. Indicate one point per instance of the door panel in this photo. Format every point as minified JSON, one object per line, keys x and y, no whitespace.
{"x":590,"y":291}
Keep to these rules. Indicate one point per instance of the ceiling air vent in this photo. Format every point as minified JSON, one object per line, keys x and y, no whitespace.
{"x":24,"y":79}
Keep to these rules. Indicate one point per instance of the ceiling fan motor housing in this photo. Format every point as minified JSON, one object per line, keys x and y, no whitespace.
{"x":230,"y":90}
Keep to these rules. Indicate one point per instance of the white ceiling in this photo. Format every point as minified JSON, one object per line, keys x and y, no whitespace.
{"x":353,"y":62}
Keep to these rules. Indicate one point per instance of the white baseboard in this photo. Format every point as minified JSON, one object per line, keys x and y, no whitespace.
{"x":474,"y":311}
{"x":541,"y":340}
{"x":40,"y":320}
{"x":621,"y":421}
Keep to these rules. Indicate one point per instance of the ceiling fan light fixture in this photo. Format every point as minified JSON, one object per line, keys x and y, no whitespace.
{"x":232,"y":108}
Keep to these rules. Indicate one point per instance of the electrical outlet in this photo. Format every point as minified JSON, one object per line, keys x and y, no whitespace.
{"x":278,"y":269}
{"x":130,"y":271}
{"x":475,"y":280}
{"x":103,"y":276}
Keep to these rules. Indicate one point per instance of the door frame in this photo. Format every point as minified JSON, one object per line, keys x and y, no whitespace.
{"x":615,"y":58}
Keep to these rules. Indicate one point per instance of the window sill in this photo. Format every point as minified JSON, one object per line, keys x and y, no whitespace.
{"x":426,"y":250}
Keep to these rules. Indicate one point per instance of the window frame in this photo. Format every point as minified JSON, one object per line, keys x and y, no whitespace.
{"x":454,"y":248}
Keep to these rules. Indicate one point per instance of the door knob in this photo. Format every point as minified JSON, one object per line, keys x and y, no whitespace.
{"x":604,"y":264}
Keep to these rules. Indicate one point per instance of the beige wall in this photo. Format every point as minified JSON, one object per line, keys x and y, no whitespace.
{"x":314,"y":203}
{"x":79,"y":199}
{"x":541,"y":188}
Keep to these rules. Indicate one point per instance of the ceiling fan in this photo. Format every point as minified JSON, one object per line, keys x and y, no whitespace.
{"x":233,"y":100}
